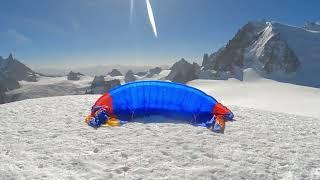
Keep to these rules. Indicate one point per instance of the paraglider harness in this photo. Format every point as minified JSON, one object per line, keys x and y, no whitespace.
{"x":218,"y":122}
{"x":99,"y":117}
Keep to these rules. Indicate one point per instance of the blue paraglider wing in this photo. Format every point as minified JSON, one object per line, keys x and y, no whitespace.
{"x":158,"y":97}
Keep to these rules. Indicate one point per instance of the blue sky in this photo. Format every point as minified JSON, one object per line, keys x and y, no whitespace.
{"x":60,"y":33}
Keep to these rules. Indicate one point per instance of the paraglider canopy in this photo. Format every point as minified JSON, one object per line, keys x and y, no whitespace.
{"x":159,"y":98}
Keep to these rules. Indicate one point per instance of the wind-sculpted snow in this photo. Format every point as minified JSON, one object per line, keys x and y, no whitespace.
{"x":47,"y":138}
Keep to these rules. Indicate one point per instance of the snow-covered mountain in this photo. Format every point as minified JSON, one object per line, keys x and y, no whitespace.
{"x":274,"y":50}
{"x":47,"y":138}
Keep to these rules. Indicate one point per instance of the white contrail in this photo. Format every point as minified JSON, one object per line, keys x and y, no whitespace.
{"x":131,"y":11}
{"x":151,"y":18}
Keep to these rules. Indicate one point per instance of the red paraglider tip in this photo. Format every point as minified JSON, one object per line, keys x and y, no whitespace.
{"x":220,"y":109}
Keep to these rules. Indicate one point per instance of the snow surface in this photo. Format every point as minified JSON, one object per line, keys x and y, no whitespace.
{"x":47,"y":138}
{"x":162,"y":75}
{"x":50,"y":86}
{"x":259,"y":93}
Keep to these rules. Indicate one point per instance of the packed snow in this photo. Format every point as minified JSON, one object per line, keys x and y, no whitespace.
{"x":50,"y":86}
{"x":47,"y":138}
{"x":264,"y":94}
{"x":276,"y":136}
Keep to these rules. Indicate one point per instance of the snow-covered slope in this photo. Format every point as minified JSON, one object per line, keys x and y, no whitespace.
{"x":49,"y":86}
{"x":46,"y":138}
{"x":259,"y":93}
{"x":164,"y":73}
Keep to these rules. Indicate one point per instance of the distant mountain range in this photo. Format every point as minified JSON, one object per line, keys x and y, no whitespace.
{"x":95,"y":70}
{"x":272,"y":50}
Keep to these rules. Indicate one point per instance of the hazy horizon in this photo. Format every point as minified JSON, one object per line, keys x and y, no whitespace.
{"x":81,"y":33}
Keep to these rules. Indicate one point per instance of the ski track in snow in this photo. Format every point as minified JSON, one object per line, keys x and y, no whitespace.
{"x":47,"y":138}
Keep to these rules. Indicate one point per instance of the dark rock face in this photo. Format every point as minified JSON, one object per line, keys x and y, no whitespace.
{"x":205,"y":59}
{"x":196,"y":66}
{"x":141,"y":73}
{"x":233,"y":53}
{"x":112,"y":84}
{"x":182,"y":72}
{"x":2,"y":94}
{"x":72,"y":76}
{"x":277,"y":56}
{"x":115,"y":72}
{"x":8,"y":83}
{"x":129,"y":77}
{"x":100,"y":86}
{"x":154,"y":71}
{"x":14,"y":69}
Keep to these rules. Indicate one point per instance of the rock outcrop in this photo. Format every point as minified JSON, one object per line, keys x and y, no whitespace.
{"x":182,"y":72}
{"x":8,"y":83}
{"x":2,"y":94}
{"x":14,"y":69}
{"x":205,"y":59}
{"x":100,"y":86}
{"x":153,"y":72}
{"x":141,"y":73}
{"x":72,"y":76}
{"x":129,"y":77}
{"x":115,"y":72}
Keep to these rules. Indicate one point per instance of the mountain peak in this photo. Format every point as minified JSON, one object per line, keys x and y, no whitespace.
{"x":14,"y":69}
{"x":183,"y":61}
{"x":115,"y":72}
{"x":183,"y":71}
{"x":275,"y":50}
{"x":10,"y":58}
